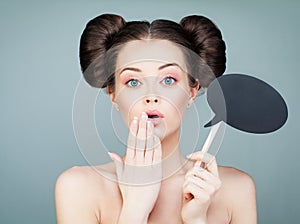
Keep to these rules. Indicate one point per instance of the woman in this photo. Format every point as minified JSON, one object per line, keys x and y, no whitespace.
{"x":152,"y":73}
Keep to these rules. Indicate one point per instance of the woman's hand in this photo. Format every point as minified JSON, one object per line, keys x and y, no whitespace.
{"x":139,"y":173}
{"x":199,"y":187}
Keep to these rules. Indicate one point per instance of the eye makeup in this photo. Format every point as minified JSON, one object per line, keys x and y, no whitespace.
{"x":168,"y":76}
{"x":126,"y":77}
{"x":169,"y":81}
{"x":133,"y":83}
{"x":172,"y":72}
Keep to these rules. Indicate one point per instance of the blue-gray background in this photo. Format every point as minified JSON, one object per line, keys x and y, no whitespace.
{"x":40,"y":71}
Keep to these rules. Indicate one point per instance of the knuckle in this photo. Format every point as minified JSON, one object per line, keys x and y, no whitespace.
{"x":211,"y":190}
{"x":207,"y":197}
{"x":199,"y":170}
{"x":204,"y":197}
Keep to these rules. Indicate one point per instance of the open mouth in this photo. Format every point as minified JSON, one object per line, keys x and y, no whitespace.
{"x":155,"y":116}
{"x":152,"y":114}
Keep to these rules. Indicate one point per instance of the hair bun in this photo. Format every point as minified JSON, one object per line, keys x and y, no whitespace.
{"x":95,"y":40}
{"x":206,"y":40}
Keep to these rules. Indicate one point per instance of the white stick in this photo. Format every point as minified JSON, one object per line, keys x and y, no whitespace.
{"x":213,"y":131}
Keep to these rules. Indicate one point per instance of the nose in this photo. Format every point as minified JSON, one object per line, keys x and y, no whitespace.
{"x":151,"y":99}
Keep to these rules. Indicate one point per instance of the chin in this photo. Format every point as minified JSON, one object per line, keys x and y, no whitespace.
{"x":162,"y":133}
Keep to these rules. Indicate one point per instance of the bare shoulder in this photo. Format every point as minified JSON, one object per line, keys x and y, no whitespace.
{"x":79,"y":189}
{"x":229,"y":173}
{"x":236,"y":180}
{"x":238,"y":189}
{"x":77,"y":178}
{"x":87,"y":179}
{"x":81,"y":177}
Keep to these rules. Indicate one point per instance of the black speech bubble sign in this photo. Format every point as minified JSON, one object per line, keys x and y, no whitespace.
{"x":249,"y":104}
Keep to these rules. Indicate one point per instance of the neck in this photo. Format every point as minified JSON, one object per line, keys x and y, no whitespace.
{"x":173,"y":162}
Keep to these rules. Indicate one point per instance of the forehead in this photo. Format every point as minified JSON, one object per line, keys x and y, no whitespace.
{"x":162,"y":51}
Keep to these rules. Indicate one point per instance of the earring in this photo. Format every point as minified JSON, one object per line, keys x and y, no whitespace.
{"x":189,"y":103}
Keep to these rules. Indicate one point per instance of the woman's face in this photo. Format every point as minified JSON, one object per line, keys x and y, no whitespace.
{"x":151,"y":77}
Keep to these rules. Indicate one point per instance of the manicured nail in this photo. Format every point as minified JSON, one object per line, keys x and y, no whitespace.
{"x":135,"y":120}
{"x":110,"y":155}
{"x":189,"y":156}
{"x":144,"y":116}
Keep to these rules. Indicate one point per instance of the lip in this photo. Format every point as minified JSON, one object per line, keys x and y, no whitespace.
{"x":156,"y":121}
{"x":155,"y":112}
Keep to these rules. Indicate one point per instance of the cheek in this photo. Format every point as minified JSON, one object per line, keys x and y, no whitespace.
{"x":178,"y":99}
{"x":178,"y":107}
{"x":173,"y":102}
{"x":128,"y":102}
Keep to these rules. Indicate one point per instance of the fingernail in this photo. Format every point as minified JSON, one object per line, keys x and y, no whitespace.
{"x":110,"y":155}
{"x":144,"y":116}
{"x":189,"y":156}
{"x":135,"y":120}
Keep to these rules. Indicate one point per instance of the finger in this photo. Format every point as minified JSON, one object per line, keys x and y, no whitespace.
{"x":149,"y":144}
{"x":198,"y":193}
{"x":202,"y":159}
{"x":203,"y":174}
{"x":157,"y":154}
{"x":189,"y":190}
{"x":131,"y":141}
{"x":200,"y":155}
{"x":196,"y":171}
{"x":213,"y":182}
{"x":141,"y":140}
{"x":212,"y":167}
{"x":186,"y":194}
{"x":209,"y":188}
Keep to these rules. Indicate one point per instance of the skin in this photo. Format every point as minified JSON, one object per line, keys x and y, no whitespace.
{"x":172,"y":189}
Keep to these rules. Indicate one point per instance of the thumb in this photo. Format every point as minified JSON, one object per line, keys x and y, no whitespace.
{"x":118,"y":161}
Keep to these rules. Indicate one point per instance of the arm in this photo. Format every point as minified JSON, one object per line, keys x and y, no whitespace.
{"x":75,"y":200}
{"x":244,"y":201}
{"x":73,"y":197}
{"x":139,"y":173}
{"x":199,"y":188}
{"x":129,"y":216}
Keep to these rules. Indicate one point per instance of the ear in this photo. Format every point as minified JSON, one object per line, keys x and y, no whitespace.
{"x":111,"y":94}
{"x":194,"y":91}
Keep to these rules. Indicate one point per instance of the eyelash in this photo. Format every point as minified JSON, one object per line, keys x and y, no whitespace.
{"x":130,"y":80}
{"x":170,"y":77}
{"x":139,"y":83}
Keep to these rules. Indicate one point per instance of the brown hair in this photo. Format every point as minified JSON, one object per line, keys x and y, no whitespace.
{"x":106,"y":32}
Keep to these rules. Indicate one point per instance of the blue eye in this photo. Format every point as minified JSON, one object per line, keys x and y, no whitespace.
{"x":133,"y":83}
{"x":169,"y":81}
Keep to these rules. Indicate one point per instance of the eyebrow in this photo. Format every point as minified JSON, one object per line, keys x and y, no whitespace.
{"x":168,"y":65}
{"x":139,"y":70}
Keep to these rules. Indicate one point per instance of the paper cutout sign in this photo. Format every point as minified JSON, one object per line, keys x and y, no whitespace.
{"x":246,"y":103}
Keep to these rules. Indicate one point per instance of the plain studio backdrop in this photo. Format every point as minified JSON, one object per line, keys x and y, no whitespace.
{"x":40,"y":72}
